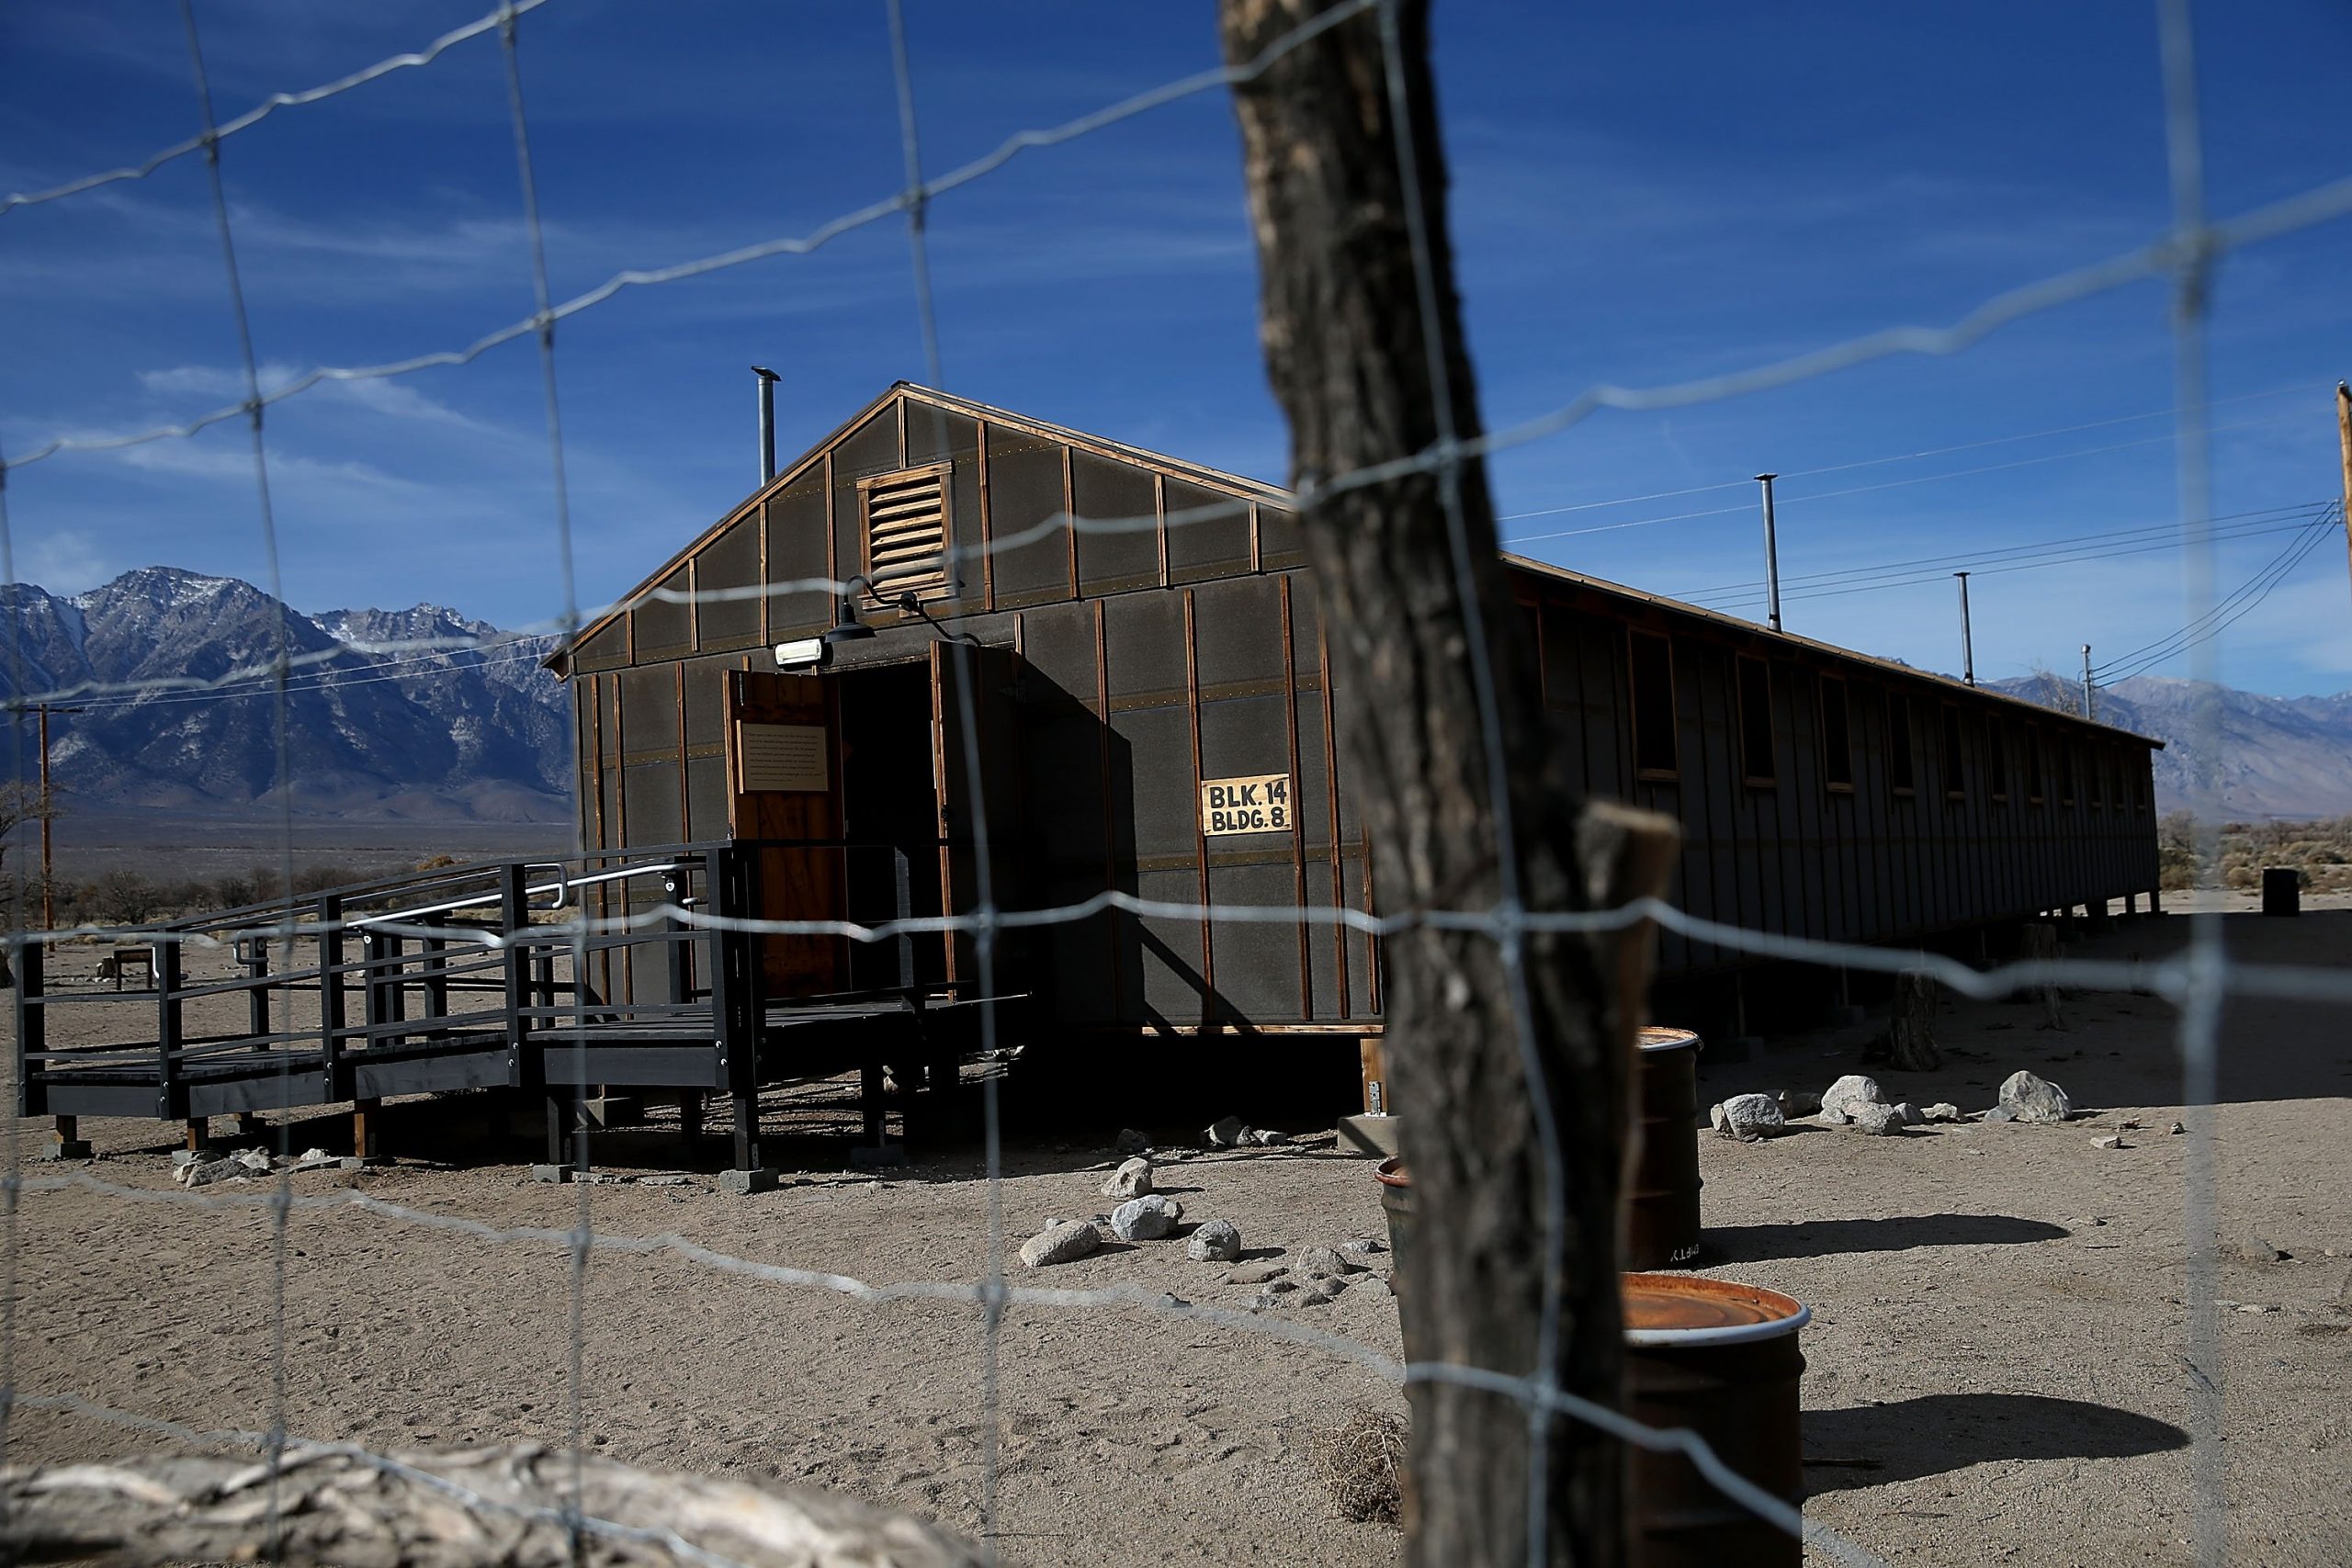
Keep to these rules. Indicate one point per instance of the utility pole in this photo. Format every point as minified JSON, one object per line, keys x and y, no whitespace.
{"x":767,"y":423}
{"x":2089,"y":706}
{"x":1967,"y":646}
{"x":48,"y":880}
{"x":1771,"y":554}
{"x":2344,"y":439}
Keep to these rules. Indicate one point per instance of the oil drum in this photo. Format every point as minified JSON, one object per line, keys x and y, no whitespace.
{"x":1662,"y":1200}
{"x":1396,"y":1204}
{"x":1721,"y":1359}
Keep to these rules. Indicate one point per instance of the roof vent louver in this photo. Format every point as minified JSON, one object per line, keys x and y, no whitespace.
{"x":906,"y":532}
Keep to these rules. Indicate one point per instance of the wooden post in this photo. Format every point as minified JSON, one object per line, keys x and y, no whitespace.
{"x":1515,"y":1265}
{"x":1910,"y":1030}
{"x":32,"y":1025}
{"x":172,"y":1098}
{"x":331,"y":1008}
{"x":257,"y":999}
{"x":513,"y":919}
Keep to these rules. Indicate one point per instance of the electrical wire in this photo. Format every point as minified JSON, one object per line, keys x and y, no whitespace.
{"x":1897,"y":457}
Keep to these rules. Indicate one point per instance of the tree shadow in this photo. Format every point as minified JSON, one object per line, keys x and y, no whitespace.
{"x":1900,"y":1233}
{"x":1940,"y":1432}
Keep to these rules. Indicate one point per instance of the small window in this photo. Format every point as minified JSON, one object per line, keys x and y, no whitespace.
{"x":906,"y":532}
{"x":1758,"y":763}
{"x":1651,"y":663}
{"x":1997,"y":763}
{"x":1899,"y":771}
{"x":2065,"y":773}
{"x":1955,"y":770}
{"x":1836,"y":736}
{"x":2033,"y":772}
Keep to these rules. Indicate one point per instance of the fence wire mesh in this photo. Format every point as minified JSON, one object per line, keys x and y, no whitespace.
{"x":2198,"y":982}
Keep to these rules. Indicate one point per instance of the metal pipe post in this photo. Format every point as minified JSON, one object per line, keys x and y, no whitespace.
{"x":2344,"y":440}
{"x":767,"y":423}
{"x":1967,"y":644}
{"x":1771,"y":554}
{"x":2090,"y":707}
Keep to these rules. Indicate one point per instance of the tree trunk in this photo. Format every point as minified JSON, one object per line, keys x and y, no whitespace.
{"x":1911,"y":1028}
{"x":1344,"y":330}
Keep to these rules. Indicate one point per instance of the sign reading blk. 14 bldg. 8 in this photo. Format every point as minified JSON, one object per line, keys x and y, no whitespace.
{"x":1260,"y":804}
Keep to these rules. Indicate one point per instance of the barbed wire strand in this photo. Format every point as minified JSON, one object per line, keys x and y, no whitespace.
{"x":268,"y":107}
{"x":965,"y":661}
{"x":816,"y":239}
{"x":2196,"y":982}
{"x":250,"y":365}
{"x":2201,"y":1013}
{"x":583,"y":1224}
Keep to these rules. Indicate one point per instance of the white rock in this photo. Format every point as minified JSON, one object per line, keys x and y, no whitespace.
{"x":1226,"y":1134}
{"x":1878,"y":1121}
{"x":1362,"y":1243}
{"x":204,"y":1173}
{"x":1944,"y":1111}
{"x":1132,"y":1179}
{"x":1063,"y":1242}
{"x":1910,"y":1114}
{"x":2113,"y":1141}
{"x":255,"y":1162}
{"x":1748,"y":1117}
{"x":1257,"y":1273}
{"x":1324,"y":1263}
{"x":1798,"y":1102}
{"x":2030,"y":1099}
{"x":1214,"y":1241}
{"x":1266,"y":1137}
{"x":1853,"y":1089}
{"x":1146,"y":1219}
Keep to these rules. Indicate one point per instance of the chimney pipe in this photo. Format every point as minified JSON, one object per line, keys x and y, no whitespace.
{"x":1967,"y":641}
{"x":767,"y":423}
{"x":1771,"y":554}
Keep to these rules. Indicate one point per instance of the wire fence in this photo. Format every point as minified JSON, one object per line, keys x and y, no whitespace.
{"x":2196,"y":982}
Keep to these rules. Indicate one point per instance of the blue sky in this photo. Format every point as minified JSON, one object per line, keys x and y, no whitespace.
{"x":1642,"y":194}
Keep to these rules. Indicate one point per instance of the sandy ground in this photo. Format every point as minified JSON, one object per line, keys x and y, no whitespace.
{"x":1996,"y":1355}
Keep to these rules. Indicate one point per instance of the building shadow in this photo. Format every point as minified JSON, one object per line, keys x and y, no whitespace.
{"x":1937,"y":1433}
{"x":1899,"y":1232}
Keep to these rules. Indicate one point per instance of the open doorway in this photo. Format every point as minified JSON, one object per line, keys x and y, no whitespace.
{"x":889,"y":795}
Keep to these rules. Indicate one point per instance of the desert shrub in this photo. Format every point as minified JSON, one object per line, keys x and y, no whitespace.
{"x":1361,"y":1461}
{"x":124,"y":897}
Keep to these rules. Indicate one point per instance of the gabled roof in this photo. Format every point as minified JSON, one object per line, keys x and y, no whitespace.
{"x":1258,"y":490}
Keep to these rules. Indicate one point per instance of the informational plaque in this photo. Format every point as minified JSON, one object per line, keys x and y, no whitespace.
{"x":1257,"y":803}
{"x":781,"y":756}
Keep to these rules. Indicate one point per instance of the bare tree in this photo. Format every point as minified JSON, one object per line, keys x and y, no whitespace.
{"x":1514,"y":1264}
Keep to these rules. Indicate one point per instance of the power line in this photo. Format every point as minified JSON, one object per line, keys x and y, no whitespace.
{"x":2232,"y":608}
{"x":1868,"y":488}
{"x":1899,"y":457}
{"x":2307,"y":508}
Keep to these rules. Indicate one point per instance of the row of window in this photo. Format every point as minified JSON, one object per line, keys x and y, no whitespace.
{"x":2105,"y":773}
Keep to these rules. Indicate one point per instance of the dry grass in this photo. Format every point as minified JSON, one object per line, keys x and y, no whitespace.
{"x":1361,"y":1461}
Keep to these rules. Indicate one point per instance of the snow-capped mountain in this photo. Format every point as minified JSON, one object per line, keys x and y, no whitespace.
{"x":379,"y":719}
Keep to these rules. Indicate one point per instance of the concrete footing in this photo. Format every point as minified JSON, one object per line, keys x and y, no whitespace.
{"x":747,"y":1181}
{"x":1368,"y":1135}
{"x":79,"y":1149}
{"x":553,"y":1173}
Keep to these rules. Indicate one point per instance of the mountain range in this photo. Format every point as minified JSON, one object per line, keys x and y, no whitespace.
{"x":2273,"y":757}
{"x":379,"y":727}
{"x":375,"y":726}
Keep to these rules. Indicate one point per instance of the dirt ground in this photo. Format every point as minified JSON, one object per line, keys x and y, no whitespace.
{"x":1994,"y":1358}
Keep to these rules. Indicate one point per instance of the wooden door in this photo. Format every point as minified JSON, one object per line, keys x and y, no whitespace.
{"x":994,"y":673}
{"x":783,"y":781}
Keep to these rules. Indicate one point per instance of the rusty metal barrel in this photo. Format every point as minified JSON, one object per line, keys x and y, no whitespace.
{"x":1396,"y":1204}
{"x":1662,"y":1200}
{"x":1722,"y":1359}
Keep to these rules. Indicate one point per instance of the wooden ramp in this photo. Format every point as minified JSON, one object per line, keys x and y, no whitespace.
{"x":482,"y":976}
